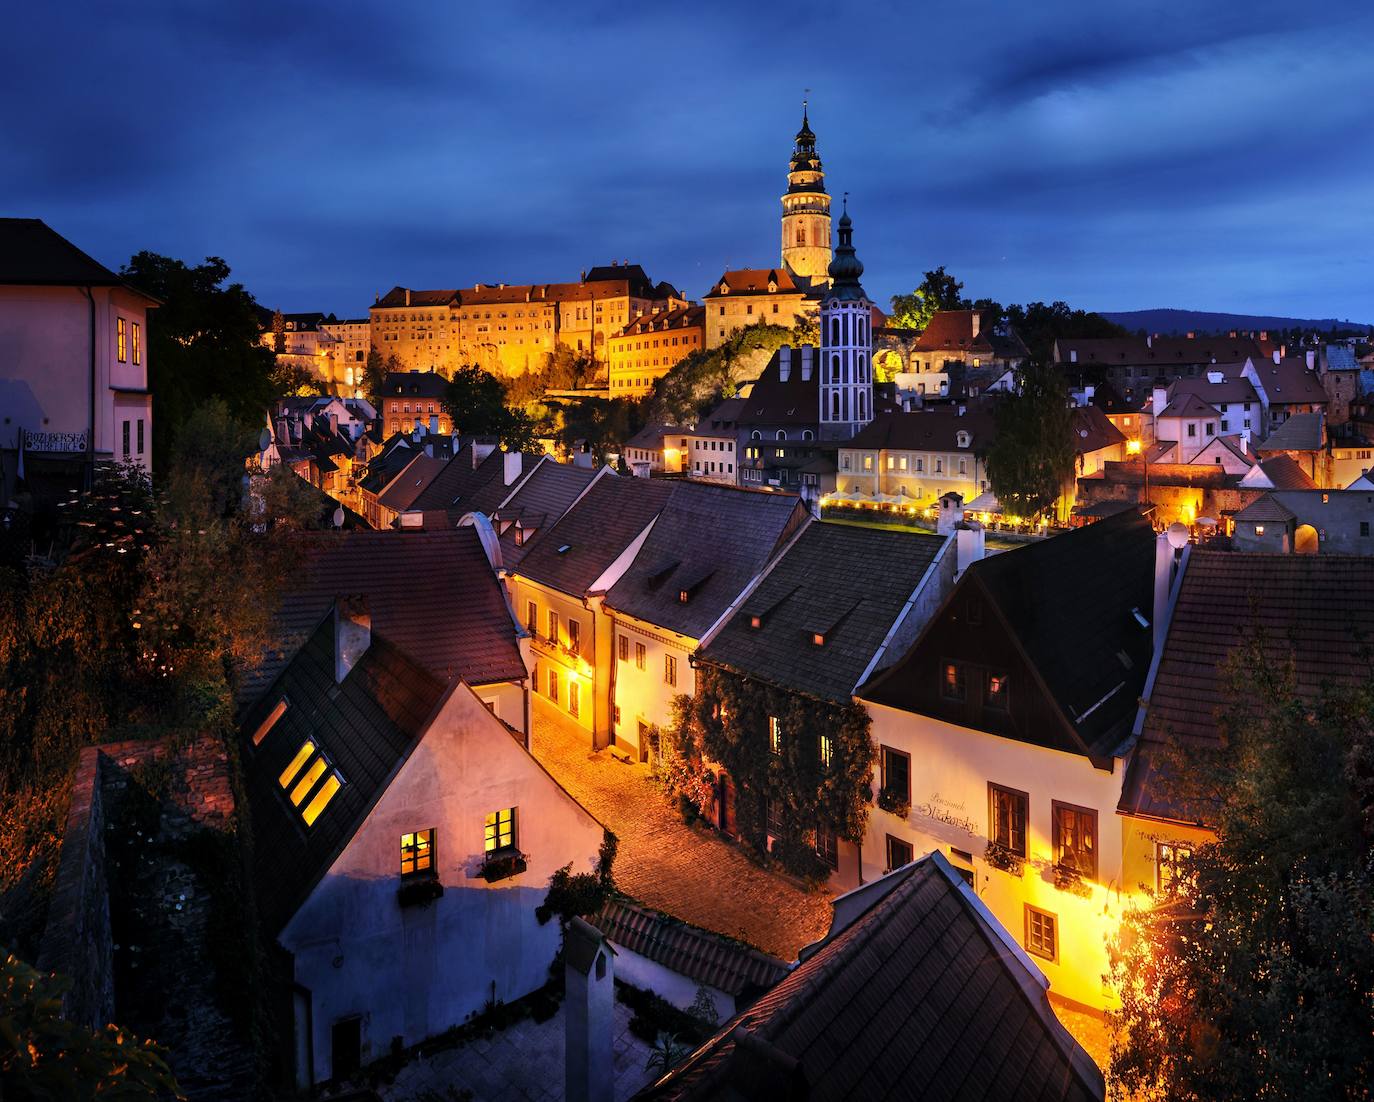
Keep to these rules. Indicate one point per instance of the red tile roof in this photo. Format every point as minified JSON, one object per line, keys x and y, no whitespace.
{"x":754,"y":281}
{"x":1312,"y":610}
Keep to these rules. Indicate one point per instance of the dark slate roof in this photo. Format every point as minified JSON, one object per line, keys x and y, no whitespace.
{"x":1264,"y":509}
{"x":1316,"y":611}
{"x":408,"y":485}
{"x":638,"y":284}
{"x":774,"y":402}
{"x":652,"y":437}
{"x":431,"y":593}
{"x":33,"y":254}
{"x":846,"y":581}
{"x":470,"y":486}
{"x":1285,"y":474}
{"x":1289,"y":381}
{"x":936,"y":428}
{"x":365,"y":727}
{"x":538,"y":504}
{"x":594,"y":532}
{"x":1302,"y":432}
{"x":690,"y":951}
{"x":1093,"y":431}
{"x":923,"y":995}
{"x":1068,"y":601}
{"x":754,"y":281}
{"x":411,"y":384}
{"x":386,"y":465}
{"x":710,"y":540}
{"x":396,"y":298}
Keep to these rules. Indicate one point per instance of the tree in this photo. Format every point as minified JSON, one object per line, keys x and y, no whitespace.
{"x":375,"y":371}
{"x":1040,"y":326}
{"x":1254,"y":981}
{"x":203,"y":343}
{"x":278,"y":332}
{"x":476,"y":403}
{"x":1032,"y":454}
{"x":938,"y":291}
{"x":45,"y":1056}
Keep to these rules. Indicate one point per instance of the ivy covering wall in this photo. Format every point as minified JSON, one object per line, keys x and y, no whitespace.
{"x":727,"y":722}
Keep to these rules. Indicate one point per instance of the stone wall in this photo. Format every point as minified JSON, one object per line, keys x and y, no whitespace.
{"x":77,"y":941}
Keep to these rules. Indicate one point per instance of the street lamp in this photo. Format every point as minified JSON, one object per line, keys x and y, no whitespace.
{"x":1133,"y":447}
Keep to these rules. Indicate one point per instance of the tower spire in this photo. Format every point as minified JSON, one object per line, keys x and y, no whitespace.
{"x":806,"y":210}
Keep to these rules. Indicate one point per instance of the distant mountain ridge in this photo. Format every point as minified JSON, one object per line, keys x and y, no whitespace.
{"x":1179,"y":322}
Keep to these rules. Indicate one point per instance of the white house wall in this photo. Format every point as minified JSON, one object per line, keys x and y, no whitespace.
{"x":951,"y":767}
{"x":416,"y":971}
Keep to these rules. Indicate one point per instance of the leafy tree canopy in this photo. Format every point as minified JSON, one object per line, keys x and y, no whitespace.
{"x":1032,"y":455}
{"x":1254,"y":980}
{"x":203,"y":344}
{"x":476,"y":401}
{"x":938,"y":291}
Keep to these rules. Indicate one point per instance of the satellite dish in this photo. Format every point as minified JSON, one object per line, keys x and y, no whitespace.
{"x":338,"y":516}
{"x":264,"y":440}
{"x":1178,"y":536}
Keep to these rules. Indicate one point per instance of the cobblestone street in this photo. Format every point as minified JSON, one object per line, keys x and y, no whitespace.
{"x":688,"y":872}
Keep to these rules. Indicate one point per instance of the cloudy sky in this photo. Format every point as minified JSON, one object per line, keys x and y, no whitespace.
{"x":1116,"y":155}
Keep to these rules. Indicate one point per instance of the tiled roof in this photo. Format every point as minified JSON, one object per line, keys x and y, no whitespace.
{"x":774,"y":402}
{"x":1340,"y":357}
{"x":431,"y":593}
{"x":1070,"y":601}
{"x":539,"y":503}
{"x":754,"y":281}
{"x":651,"y":437}
{"x":922,"y":996}
{"x":572,"y":554}
{"x":952,"y":331}
{"x":1302,"y":432}
{"x":1093,"y":430}
{"x":680,"y":317}
{"x":414,"y":384}
{"x":33,"y":253}
{"x":410,"y":483}
{"x":396,"y":298}
{"x":1263,"y":509}
{"x":711,"y":540}
{"x":1161,"y":351}
{"x":1316,"y":611}
{"x":365,"y":728}
{"x":1290,"y":381}
{"x":1233,"y":387}
{"x":690,"y":951}
{"x":467,"y":485}
{"x":935,"y":429}
{"x":386,"y":465}
{"x":1284,"y":472}
{"x":847,"y":582}
{"x":1188,"y":405}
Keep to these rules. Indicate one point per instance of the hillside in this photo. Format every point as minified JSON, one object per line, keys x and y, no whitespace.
{"x":1178,"y":322}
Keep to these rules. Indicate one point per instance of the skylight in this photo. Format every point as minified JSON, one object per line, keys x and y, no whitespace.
{"x":302,"y":776}
{"x":267,"y":724}
{"x":565,"y":549}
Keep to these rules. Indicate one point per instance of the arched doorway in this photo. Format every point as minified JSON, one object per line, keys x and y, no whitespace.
{"x":1305,"y":540}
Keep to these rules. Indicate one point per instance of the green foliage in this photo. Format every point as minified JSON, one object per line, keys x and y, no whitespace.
{"x":668,"y":1051}
{"x":599,"y":425}
{"x":476,"y":402}
{"x":375,"y":371}
{"x":278,"y":332}
{"x":700,"y":379}
{"x":580,"y":893}
{"x":704,"y":1009}
{"x":1032,"y":455}
{"x":1255,"y":981}
{"x":44,"y":1056}
{"x":202,"y":344}
{"x":938,"y":291}
{"x":563,"y":369}
{"x":727,"y":722}
{"x":1040,"y":325}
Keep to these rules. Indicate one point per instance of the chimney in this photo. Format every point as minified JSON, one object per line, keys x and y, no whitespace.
{"x":1264,"y":334}
{"x":1214,"y":376}
{"x":1168,"y":544}
{"x":511,"y":471}
{"x":589,"y":1009}
{"x":951,"y":513}
{"x":1311,"y":358}
{"x":352,"y":633}
{"x":1159,"y":399}
{"x":968,"y":547}
{"x":806,"y":351}
{"x":481,"y":449}
{"x":1149,"y":341}
{"x":434,"y":423}
{"x":976,"y":320}
{"x":407,"y":296}
{"x":963,"y":410}
{"x":1244,"y":441}
{"x":1191,"y":334}
{"x":1278,"y":354}
{"x":785,"y":363}
{"x":1073,"y":355}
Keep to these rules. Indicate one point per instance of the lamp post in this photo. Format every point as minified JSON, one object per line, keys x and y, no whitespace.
{"x":1134,"y":447}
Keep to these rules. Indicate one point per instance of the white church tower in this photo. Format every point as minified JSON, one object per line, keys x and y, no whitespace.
{"x":846,"y":354}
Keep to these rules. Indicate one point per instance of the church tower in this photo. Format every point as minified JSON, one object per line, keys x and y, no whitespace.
{"x":806,"y":214}
{"x":846,"y":367}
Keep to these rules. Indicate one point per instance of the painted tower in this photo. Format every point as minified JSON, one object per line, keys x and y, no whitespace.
{"x":806,"y":214}
{"x":846,"y":388}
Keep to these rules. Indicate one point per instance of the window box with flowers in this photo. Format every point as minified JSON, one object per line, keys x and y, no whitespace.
{"x":1008,"y":860}
{"x":894,"y":802}
{"x":502,"y":865}
{"x":1069,"y":879}
{"x":419,"y":891}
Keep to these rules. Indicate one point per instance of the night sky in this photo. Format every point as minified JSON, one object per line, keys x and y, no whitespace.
{"x":1115,"y":155}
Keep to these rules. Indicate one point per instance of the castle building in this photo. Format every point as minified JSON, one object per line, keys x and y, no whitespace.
{"x":648,"y":347}
{"x":806,"y":214}
{"x":846,"y":370}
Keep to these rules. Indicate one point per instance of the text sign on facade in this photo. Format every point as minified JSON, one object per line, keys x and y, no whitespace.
{"x":55,"y":441}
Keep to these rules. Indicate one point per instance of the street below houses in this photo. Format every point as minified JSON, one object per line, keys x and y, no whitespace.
{"x":685,"y":871}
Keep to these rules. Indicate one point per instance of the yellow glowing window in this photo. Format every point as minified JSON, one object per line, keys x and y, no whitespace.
{"x":322,"y":798}
{"x":270,"y":722}
{"x":500,"y":831}
{"x":307,"y":781}
{"x":417,"y":852}
{"x":297,"y":763}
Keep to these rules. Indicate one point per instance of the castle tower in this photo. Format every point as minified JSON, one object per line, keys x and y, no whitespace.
{"x":806,"y":214}
{"x":846,"y":385}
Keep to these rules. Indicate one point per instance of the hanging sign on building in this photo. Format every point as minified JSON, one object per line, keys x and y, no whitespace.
{"x":55,"y":441}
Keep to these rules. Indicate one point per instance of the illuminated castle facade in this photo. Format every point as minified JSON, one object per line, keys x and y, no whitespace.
{"x":806,"y":214}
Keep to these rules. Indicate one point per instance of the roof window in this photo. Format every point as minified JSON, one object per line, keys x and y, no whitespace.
{"x":309,"y":774}
{"x":278,"y":710}
{"x":565,"y":549}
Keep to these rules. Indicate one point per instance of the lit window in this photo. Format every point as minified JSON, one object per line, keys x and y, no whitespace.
{"x":952,"y":681}
{"x":818,"y":639}
{"x":574,"y":698}
{"x":774,"y":735}
{"x":1171,"y":866}
{"x":624,"y":645}
{"x":138,"y":344}
{"x":303,"y":755}
{"x":574,"y":636}
{"x":302,"y":774}
{"x":670,"y":670}
{"x":267,"y":724}
{"x":1042,"y":933}
{"x":756,"y":621}
{"x":553,"y":686}
{"x":826,"y":751}
{"x":121,"y":339}
{"x":1075,"y":839}
{"x":500,"y":830}
{"x":639,"y":655}
{"x":417,"y":853}
{"x":553,"y":626}
{"x":322,"y":797}
{"x":996,"y":696}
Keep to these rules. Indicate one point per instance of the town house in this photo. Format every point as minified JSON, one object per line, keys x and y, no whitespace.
{"x":1002,"y":736}
{"x":403,"y":839}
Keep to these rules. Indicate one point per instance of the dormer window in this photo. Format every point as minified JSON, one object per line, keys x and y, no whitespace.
{"x":962,"y":438}
{"x":756,"y":621}
{"x":683,"y":596}
{"x":818,"y":638}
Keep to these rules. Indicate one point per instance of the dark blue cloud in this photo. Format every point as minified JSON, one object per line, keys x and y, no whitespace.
{"x":1124,"y":155}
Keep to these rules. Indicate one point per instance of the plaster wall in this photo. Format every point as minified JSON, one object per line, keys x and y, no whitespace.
{"x":672,"y":987}
{"x":414,"y":971}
